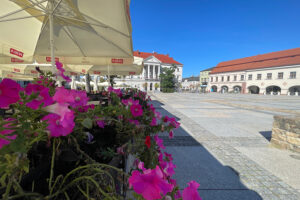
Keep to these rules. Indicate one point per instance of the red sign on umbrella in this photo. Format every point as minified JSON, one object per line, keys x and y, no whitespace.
{"x":16,"y":70}
{"x":95,"y":72}
{"x":115,"y":60}
{"x":48,"y":59}
{"x":16,"y":60}
{"x":16,"y":52}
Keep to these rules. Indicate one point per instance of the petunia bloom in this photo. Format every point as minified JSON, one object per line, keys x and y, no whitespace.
{"x":150,"y":183}
{"x":61,"y":71}
{"x":43,"y":96}
{"x":80,"y":98}
{"x":63,"y":95}
{"x":100,"y":123}
{"x":148,"y":141}
{"x":153,"y":122}
{"x":9,"y":92}
{"x":159,"y":142}
{"x":60,"y":126}
{"x":191,"y":192}
{"x":136,"y":110}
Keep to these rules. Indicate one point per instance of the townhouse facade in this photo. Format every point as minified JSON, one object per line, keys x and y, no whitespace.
{"x":276,"y":73}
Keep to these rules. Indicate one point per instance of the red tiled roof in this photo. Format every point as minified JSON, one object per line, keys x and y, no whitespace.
{"x":274,"y":59}
{"x":163,"y":58}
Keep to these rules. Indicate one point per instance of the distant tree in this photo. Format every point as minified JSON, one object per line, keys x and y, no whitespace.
{"x":156,"y":85}
{"x":167,"y":79}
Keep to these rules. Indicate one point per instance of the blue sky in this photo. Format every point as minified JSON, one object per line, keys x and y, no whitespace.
{"x":202,"y":33}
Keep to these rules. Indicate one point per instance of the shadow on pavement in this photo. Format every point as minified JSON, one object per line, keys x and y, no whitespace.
{"x":266,"y":134}
{"x":195,"y":162}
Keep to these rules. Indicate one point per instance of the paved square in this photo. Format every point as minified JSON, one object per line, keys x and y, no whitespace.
{"x":233,"y":159}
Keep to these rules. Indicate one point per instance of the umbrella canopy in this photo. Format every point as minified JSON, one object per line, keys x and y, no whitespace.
{"x":30,"y":69}
{"x":73,"y":32}
{"x":17,"y":76}
{"x":133,"y":69}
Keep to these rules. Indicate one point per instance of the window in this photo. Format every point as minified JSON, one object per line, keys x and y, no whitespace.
{"x":222,"y":78}
{"x":250,"y":77}
{"x":269,"y":76}
{"x":293,"y":75}
{"x":242,"y":77}
{"x":258,"y":76}
{"x":217,"y":79}
{"x":280,"y":75}
{"x":211,"y":79}
{"x":228,"y":78}
{"x":235,"y":78}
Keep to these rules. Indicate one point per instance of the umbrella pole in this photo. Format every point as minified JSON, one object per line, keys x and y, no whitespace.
{"x":51,"y":36}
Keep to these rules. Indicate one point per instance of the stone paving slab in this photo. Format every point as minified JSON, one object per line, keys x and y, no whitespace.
{"x":252,"y":175}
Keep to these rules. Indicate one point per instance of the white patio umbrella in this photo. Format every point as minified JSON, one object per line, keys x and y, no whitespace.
{"x":133,"y":69}
{"x":86,"y":32}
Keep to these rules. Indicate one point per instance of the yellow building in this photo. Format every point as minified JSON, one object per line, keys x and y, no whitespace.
{"x":204,"y":78}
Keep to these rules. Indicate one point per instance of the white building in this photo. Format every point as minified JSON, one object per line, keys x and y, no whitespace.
{"x":276,"y":73}
{"x":153,"y":63}
{"x":190,"y":83}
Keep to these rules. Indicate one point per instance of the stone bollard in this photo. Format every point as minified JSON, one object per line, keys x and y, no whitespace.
{"x":278,"y":93}
{"x":272,"y":93}
{"x":296,"y":93}
{"x":289,"y":94}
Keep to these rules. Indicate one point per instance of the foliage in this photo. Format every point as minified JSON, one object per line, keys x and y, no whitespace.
{"x":167,"y":79}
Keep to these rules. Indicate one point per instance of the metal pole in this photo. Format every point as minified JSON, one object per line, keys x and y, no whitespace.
{"x":51,"y":36}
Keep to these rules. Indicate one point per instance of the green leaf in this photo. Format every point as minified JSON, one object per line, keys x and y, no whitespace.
{"x":87,"y":123}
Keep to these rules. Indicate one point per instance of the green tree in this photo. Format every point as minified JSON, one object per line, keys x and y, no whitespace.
{"x":167,"y":79}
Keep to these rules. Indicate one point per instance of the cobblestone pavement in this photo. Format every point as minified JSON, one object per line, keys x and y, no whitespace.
{"x":224,"y":149}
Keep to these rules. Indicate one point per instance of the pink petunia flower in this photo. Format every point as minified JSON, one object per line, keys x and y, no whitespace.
{"x":9,"y":92}
{"x":141,"y":166}
{"x":159,"y":142}
{"x":60,"y":126}
{"x":80,"y":98}
{"x":191,"y":192}
{"x":125,"y":102}
{"x":100,"y":123}
{"x":136,"y":110}
{"x":153,"y":122}
{"x":133,"y":102}
{"x":61,"y":71}
{"x":118,"y":92}
{"x":150,"y":184}
{"x":168,"y":168}
{"x":63,"y":95}
{"x":43,"y":96}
